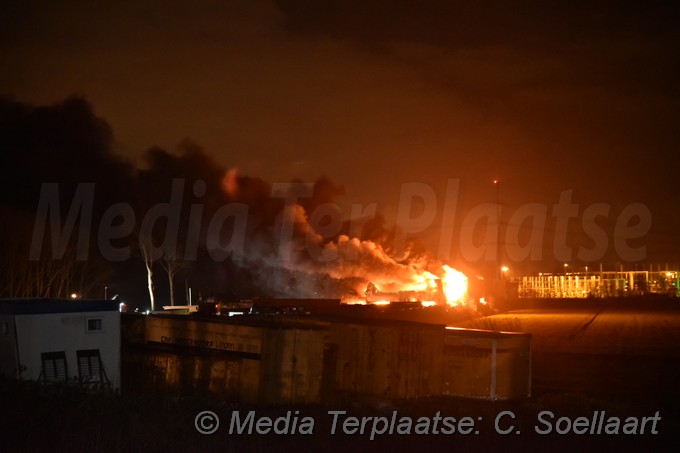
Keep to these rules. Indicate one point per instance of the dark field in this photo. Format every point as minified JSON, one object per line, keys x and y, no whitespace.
{"x":627,"y":349}
{"x":621,"y":358}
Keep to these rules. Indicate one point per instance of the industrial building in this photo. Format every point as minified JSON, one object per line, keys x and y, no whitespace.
{"x":598,"y":284}
{"x":56,"y":340}
{"x":303,"y":359}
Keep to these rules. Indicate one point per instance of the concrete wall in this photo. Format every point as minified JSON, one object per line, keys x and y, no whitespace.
{"x":387,"y":360}
{"x":488,"y":365}
{"x":171,"y":374}
{"x":292,"y":365}
{"x":281,"y":360}
{"x":263,"y":363}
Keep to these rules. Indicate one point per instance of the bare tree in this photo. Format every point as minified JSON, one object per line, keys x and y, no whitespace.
{"x":147,"y":251}
{"x":46,"y":276}
{"x":172,"y":265}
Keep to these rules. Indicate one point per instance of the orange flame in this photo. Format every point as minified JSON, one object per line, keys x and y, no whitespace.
{"x":424,"y":287}
{"x":381,"y":302}
{"x":455,"y":286}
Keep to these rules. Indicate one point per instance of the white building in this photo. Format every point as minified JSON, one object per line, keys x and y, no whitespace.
{"x":61,"y":340}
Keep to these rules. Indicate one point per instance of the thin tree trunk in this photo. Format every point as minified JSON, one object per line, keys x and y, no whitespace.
{"x":149,"y":278}
{"x":171,"y":281}
{"x":148,"y":262}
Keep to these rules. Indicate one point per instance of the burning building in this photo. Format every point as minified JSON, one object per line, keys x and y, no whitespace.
{"x":289,"y":252}
{"x":451,"y":289}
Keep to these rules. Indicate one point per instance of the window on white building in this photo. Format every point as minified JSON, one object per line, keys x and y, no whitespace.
{"x":54,"y":366}
{"x":94,"y":324}
{"x":89,"y":366}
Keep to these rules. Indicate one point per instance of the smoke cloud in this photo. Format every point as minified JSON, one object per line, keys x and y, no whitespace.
{"x":294,"y":244}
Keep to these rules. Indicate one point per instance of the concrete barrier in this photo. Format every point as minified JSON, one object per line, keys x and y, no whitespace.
{"x":487,"y":365}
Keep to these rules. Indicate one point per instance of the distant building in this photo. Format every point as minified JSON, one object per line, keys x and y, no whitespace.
{"x":54,"y":340}
{"x":598,"y":284}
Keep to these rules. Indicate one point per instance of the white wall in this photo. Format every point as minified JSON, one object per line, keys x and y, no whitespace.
{"x":51,"y":332}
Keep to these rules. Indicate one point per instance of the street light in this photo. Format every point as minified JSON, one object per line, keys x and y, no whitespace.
{"x":505,"y":270}
{"x":497,"y":183}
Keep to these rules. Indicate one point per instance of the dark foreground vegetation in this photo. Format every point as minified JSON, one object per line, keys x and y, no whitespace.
{"x":38,"y":417}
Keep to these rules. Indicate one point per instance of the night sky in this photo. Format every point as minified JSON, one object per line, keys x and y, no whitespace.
{"x":547,"y":97}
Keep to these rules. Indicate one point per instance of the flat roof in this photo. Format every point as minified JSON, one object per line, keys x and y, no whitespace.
{"x":35,"y":306}
{"x":459,"y":331}
{"x":260,"y":321}
{"x":311,"y":321}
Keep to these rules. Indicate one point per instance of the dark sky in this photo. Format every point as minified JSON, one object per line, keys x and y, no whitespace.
{"x":546,"y":96}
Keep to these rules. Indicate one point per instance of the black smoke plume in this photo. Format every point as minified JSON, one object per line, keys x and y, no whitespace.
{"x":66,"y":143}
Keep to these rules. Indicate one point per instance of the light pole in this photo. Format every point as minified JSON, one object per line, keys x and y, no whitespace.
{"x":497,"y":183}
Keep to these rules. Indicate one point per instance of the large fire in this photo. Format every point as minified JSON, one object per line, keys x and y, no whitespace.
{"x":288,"y":257}
{"x":455,"y":286}
{"x":425,"y":287}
